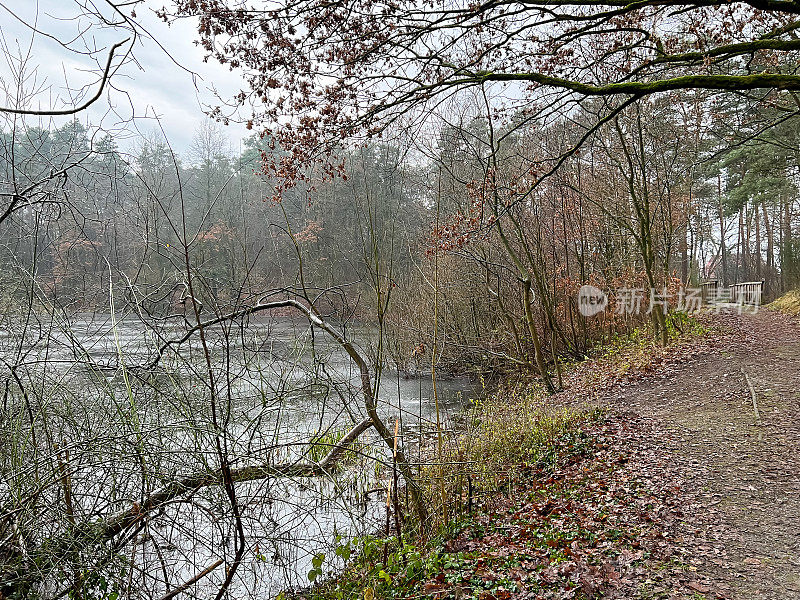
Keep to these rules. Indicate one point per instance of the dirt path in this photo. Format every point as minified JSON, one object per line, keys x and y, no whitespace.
{"x":744,"y":472}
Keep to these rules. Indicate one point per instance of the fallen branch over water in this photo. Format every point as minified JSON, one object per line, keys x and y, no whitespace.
{"x":192,"y":483}
{"x":361,"y":363}
{"x":84,"y":535}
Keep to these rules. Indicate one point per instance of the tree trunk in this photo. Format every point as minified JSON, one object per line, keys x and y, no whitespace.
{"x":537,"y":344}
{"x":684,"y":249}
{"x":739,"y":242}
{"x":722,"y":232}
{"x":757,"y":220}
{"x":770,"y":263}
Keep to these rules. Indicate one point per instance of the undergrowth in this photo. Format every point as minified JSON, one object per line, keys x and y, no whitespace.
{"x":509,"y":436}
{"x":788,"y":303}
{"x":642,"y":339}
{"x":515,"y":447}
{"x":636,"y":351}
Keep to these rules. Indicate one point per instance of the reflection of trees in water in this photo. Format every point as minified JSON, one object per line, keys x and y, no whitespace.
{"x":153,"y":426}
{"x":94,"y":440}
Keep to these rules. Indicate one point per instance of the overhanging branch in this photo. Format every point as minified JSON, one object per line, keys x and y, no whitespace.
{"x":644,"y":88}
{"x":75,"y":109}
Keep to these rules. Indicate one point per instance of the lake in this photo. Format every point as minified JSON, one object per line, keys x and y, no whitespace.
{"x":123,"y":431}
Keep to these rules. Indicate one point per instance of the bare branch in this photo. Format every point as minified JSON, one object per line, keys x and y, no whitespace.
{"x":75,"y":109}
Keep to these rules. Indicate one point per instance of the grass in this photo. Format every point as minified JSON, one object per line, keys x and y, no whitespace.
{"x":511,"y":429}
{"x":789,"y":303}
{"x":509,"y":436}
{"x":324,"y":442}
{"x":513,"y":446}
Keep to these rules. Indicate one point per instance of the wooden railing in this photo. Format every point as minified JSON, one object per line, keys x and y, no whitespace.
{"x":708,"y":291}
{"x":748,"y":292}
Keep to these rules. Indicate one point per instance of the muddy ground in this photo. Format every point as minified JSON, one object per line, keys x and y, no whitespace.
{"x":737,"y":463}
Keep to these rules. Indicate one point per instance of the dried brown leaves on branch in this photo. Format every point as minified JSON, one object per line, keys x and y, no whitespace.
{"x":321,"y":72}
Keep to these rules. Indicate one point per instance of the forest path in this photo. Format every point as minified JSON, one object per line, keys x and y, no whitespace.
{"x":744,"y":473}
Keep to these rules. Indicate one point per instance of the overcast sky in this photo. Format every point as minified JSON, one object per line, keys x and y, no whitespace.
{"x":156,"y":87}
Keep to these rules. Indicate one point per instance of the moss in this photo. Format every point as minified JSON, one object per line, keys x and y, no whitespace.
{"x":789,"y":303}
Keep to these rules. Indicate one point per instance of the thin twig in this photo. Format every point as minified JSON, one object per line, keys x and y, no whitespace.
{"x":759,"y":422}
{"x":192,"y":581}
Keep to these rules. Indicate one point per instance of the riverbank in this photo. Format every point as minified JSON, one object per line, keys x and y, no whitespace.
{"x":545,"y":497}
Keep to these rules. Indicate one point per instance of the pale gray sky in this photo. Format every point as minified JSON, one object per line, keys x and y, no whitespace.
{"x":157,"y":86}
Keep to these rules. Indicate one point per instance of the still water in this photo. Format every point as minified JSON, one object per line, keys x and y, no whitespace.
{"x":277,"y":385}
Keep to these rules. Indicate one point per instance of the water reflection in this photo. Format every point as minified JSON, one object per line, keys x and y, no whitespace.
{"x":278,"y":384}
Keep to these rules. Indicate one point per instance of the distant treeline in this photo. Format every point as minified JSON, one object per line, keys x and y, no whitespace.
{"x":406,"y":231}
